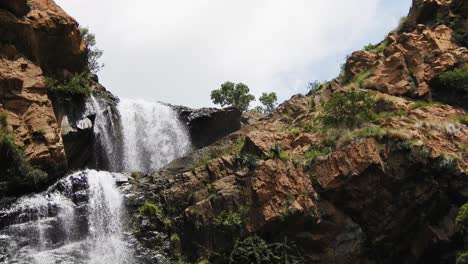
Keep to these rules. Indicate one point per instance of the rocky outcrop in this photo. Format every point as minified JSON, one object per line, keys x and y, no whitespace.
{"x":46,"y":35}
{"x":206,"y":125}
{"x":39,"y":39}
{"x":385,"y":192}
{"x":413,"y":57}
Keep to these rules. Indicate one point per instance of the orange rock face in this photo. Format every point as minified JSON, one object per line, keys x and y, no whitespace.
{"x":40,"y":39}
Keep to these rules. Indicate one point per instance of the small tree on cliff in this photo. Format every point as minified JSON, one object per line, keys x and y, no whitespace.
{"x":231,"y":94}
{"x":94,"y":54}
{"x":269,"y":101}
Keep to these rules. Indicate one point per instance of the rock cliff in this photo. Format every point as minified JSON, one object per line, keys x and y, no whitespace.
{"x":39,"y":41}
{"x":292,"y":187}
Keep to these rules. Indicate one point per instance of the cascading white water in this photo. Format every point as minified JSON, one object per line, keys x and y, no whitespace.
{"x":152,"y":134}
{"x":107,"y":133}
{"x":81,"y":218}
{"x":77,"y":220}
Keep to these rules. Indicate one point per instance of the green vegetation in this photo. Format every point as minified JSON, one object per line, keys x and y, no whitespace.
{"x":388,"y":114}
{"x":419,"y":104}
{"x":77,"y":87}
{"x":269,"y":101}
{"x":369,"y":131}
{"x":227,"y":219}
{"x":402,"y":25}
{"x":231,"y":94}
{"x":93,"y":53}
{"x":246,"y":160}
{"x":463,"y":119}
{"x":276,"y":152}
{"x":253,"y":249}
{"x":151,"y":210}
{"x":214,"y":152}
{"x":350,"y":109}
{"x":16,"y":170}
{"x":376,"y":48}
{"x":361,"y":77}
{"x":462,"y":216}
{"x":174,"y":238}
{"x":315,"y":152}
{"x":3,"y":121}
{"x":454,"y":79}
{"x":314,"y":86}
{"x":462,"y":258}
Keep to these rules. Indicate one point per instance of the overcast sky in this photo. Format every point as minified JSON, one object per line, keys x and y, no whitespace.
{"x":177,"y":51}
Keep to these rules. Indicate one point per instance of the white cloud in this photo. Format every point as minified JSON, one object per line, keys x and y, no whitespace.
{"x":179,"y":50}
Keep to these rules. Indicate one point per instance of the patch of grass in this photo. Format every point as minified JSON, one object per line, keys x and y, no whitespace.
{"x":315,"y":152}
{"x":227,"y":219}
{"x":369,"y":131}
{"x":462,"y":119}
{"x":294,"y":130}
{"x":214,"y":152}
{"x":361,"y":77}
{"x":462,"y":216}
{"x":77,"y":87}
{"x":376,"y":48}
{"x":388,"y":114}
{"x":419,"y":104}
{"x":150,"y":210}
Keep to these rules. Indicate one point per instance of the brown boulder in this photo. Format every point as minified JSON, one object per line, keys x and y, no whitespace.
{"x":17,"y":7}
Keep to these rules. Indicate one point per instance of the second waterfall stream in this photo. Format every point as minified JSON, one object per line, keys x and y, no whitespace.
{"x":82,"y":217}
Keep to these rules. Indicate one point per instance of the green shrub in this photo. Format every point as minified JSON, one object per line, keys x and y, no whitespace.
{"x":77,"y":87}
{"x":276,"y":152}
{"x":151,"y":210}
{"x":314,"y":86}
{"x":3,"y":121}
{"x":462,"y":216}
{"x":460,"y":36}
{"x":174,"y":238}
{"x":16,"y":170}
{"x":246,"y":160}
{"x":319,"y":151}
{"x":350,"y":109}
{"x":402,"y":25}
{"x":253,"y":249}
{"x":454,"y":79}
{"x":227,"y":219}
{"x":462,"y":258}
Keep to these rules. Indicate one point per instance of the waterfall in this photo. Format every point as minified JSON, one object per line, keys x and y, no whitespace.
{"x":107,"y":131}
{"x":152,"y":135}
{"x":82,"y":218}
{"x":77,"y":220}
